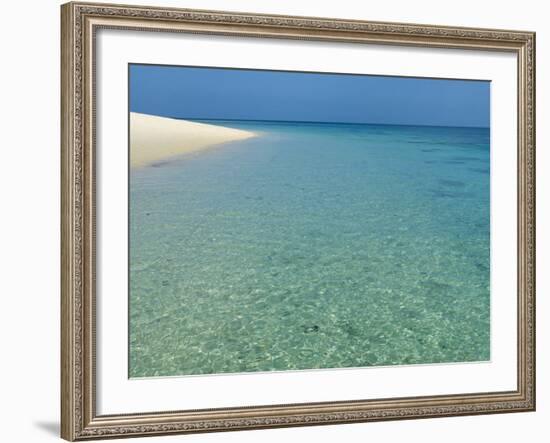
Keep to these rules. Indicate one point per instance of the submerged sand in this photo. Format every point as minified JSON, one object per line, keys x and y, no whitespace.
{"x":154,"y":139}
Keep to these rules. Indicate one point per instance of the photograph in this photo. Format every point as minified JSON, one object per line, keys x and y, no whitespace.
{"x":287,"y":220}
{"x":228,"y":221}
{"x":280,"y":217}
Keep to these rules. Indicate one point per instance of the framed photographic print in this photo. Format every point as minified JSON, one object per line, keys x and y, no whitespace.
{"x":281,"y":221}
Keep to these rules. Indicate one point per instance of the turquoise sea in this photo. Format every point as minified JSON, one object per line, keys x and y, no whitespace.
{"x":312,"y":246}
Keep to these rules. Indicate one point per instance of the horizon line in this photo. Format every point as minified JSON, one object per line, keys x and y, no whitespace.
{"x":325,"y":122}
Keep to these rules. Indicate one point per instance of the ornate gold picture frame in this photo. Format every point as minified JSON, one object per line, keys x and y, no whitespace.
{"x":80,"y":23}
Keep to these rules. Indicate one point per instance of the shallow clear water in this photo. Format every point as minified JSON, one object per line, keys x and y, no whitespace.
{"x":312,"y":246}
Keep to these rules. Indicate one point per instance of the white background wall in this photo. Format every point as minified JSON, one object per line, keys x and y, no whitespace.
{"x":29,"y":218}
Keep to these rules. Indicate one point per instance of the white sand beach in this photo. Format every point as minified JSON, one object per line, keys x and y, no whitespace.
{"x":154,"y":139}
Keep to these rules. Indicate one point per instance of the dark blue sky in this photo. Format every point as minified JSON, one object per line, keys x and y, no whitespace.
{"x":212,"y":93}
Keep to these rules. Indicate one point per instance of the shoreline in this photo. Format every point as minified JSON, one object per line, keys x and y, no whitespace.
{"x":154,"y":139}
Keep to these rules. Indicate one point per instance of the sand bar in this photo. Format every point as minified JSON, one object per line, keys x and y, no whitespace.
{"x":154,"y":139}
